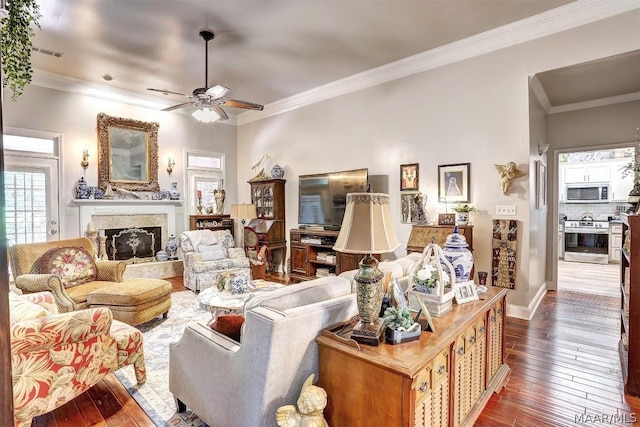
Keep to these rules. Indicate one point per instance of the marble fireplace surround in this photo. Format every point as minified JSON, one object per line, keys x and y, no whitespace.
{"x":126,"y":213}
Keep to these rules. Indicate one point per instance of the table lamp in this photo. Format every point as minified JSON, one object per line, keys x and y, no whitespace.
{"x":367,"y":229}
{"x":243,"y":211}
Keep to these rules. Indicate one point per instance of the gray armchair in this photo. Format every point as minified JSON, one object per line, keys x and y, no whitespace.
{"x":242,"y":384}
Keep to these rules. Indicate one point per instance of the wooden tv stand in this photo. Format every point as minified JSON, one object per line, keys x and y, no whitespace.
{"x":444,"y":379}
{"x":307,"y":249}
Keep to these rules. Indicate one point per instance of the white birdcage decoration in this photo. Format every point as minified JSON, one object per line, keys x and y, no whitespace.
{"x":432,"y":278}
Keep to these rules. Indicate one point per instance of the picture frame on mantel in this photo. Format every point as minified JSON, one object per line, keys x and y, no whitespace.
{"x":409,"y":179}
{"x":454,"y":182}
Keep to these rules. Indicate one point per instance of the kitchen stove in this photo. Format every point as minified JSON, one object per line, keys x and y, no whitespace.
{"x":587,"y":241}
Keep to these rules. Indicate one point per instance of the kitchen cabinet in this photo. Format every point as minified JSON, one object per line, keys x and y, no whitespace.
{"x":619,"y":186}
{"x":615,"y":242}
{"x":585,"y":172}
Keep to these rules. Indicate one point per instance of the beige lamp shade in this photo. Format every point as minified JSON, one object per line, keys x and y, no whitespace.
{"x":366,"y":226}
{"x":243,"y":211}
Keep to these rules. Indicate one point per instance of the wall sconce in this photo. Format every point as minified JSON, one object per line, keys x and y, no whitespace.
{"x":543,"y":148}
{"x":171,"y":163}
{"x":85,"y":159}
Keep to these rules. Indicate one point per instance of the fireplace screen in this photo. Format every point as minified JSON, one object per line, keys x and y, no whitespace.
{"x":133,"y":245}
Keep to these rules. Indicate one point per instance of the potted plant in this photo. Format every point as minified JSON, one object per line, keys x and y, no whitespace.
{"x":400,"y":325}
{"x":16,"y":33}
{"x":462,"y":213}
{"x":426,"y":279}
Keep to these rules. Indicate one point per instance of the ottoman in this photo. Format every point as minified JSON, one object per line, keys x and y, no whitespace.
{"x":134,"y":301}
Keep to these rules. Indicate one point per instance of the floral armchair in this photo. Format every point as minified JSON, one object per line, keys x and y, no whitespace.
{"x":86,"y":275}
{"x":207,"y":255}
{"x":56,"y":357}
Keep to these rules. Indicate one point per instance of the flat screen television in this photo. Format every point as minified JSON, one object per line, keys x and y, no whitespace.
{"x":322,"y":197}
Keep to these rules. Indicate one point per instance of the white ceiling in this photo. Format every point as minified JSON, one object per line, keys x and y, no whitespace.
{"x":265,"y":51}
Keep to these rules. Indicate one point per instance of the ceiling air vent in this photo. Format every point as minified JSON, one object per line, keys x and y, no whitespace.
{"x":47,"y":52}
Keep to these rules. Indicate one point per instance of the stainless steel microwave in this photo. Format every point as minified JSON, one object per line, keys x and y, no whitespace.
{"x":587,"y":193}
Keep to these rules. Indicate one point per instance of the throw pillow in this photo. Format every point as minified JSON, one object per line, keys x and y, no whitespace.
{"x":212,"y":252}
{"x":236,"y":253}
{"x":20,"y":309}
{"x":229,"y":325}
{"x":73,"y":265}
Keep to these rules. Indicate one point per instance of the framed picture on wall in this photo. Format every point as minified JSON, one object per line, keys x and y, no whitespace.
{"x":541,"y":185}
{"x":409,"y":177}
{"x":453,"y":182}
{"x":408,"y":211}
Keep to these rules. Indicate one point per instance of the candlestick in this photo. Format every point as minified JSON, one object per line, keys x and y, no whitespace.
{"x":199,"y":193}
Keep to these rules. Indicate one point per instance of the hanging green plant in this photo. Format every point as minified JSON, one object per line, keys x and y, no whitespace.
{"x":15,"y":34}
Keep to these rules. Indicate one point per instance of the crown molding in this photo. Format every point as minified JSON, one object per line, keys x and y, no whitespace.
{"x":539,"y":92}
{"x":563,"y":18}
{"x":627,"y":97}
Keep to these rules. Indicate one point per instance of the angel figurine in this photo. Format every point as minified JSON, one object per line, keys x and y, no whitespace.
{"x":311,"y":403}
{"x":508,"y":173}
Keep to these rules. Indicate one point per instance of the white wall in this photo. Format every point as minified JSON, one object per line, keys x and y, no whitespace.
{"x":75,"y":117}
{"x":473,"y":111}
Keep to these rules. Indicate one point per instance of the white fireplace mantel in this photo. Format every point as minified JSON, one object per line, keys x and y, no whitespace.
{"x":102,"y":207}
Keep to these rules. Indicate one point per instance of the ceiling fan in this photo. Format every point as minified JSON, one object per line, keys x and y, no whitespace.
{"x":209,"y":98}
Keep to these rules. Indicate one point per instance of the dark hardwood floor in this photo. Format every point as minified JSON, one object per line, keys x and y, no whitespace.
{"x":564,"y":363}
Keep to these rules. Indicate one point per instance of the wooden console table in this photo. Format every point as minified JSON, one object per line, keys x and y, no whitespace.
{"x":444,"y":379}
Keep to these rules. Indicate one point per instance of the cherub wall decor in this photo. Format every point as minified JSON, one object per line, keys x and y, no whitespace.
{"x":508,"y":173}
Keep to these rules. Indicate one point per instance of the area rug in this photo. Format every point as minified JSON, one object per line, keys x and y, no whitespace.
{"x":154,"y":396}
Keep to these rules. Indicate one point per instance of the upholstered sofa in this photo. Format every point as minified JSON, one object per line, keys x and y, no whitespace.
{"x":56,"y":357}
{"x":398,"y":268}
{"x":228,"y":383}
{"x":207,"y":255}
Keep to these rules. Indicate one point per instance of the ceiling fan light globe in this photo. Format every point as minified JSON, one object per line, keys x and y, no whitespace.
{"x":205,"y":115}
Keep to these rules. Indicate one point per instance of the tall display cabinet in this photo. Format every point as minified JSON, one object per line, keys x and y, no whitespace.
{"x":268,"y":196}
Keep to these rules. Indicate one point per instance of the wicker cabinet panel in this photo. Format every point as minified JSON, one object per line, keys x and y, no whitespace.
{"x":478,"y":358}
{"x":432,"y":399}
{"x":496,"y":325}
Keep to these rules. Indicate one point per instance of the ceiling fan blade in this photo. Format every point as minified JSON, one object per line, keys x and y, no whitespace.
{"x":175,"y":107}
{"x":220,"y":111}
{"x":217,"y":91}
{"x":242,"y":104}
{"x":165,"y":92}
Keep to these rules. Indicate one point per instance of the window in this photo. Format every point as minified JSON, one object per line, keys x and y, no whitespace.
{"x":205,"y":173}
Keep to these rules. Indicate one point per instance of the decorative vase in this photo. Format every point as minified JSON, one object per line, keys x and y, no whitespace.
{"x":277,"y":172}
{"x":172,"y":247}
{"x":219,"y":195}
{"x":162,"y":256}
{"x":456,"y":252}
{"x":173,"y":192}
{"x":462,"y":218}
{"x":83,"y":191}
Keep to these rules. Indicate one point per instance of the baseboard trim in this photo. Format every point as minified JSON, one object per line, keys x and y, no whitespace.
{"x":526,"y":313}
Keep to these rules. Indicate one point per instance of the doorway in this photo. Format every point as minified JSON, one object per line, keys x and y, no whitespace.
{"x":592,"y":193}
{"x":31,"y":179}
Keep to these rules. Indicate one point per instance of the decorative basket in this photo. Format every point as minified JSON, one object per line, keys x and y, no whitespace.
{"x":441,"y":300}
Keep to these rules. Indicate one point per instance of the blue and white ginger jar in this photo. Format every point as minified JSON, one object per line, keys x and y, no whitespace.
{"x":456,"y":252}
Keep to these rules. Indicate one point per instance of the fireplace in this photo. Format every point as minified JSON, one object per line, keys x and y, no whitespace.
{"x":133,"y":245}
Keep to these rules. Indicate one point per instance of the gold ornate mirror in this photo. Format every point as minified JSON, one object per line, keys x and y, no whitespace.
{"x":127,"y":153}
